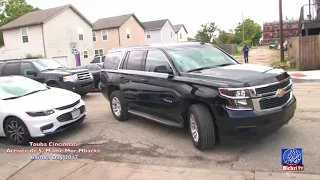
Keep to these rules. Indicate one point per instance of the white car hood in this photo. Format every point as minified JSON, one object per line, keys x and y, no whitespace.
{"x":44,"y":100}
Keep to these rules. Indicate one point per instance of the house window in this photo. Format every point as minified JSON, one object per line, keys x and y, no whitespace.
{"x":85,"y":54}
{"x":180,"y":36}
{"x":24,"y":35}
{"x":171,"y":34}
{"x":98,"y":52}
{"x":80,"y":34}
{"x":104,"y":35}
{"x":128,"y":33}
{"x":94,"y":36}
{"x":148,"y":34}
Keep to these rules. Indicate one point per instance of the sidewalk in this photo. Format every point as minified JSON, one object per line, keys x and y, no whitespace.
{"x":88,"y":169}
{"x":305,"y":76}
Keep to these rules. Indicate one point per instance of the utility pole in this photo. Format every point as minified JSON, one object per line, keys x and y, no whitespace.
{"x":242,"y":30}
{"x":281,"y":31}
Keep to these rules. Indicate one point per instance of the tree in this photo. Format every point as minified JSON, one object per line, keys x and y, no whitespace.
{"x":206,"y":33}
{"x":252,"y":32}
{"x":226,"y":38}
{"x":11,"y":10}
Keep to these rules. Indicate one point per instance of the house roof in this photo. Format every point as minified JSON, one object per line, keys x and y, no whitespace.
{"x":153,"y":25}
{"x":179,"y":26}
{"x":39,"y":17}
{"x":113,"y":22}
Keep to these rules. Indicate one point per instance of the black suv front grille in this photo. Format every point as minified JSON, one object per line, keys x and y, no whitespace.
{"x":269,"y":103}
{"x":68,"y":117}
{"x":272,"y":88}
{"x":68,"y":106}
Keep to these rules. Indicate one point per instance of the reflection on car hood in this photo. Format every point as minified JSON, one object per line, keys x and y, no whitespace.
{"x":44,"y":100}
{"x":242,"y":74}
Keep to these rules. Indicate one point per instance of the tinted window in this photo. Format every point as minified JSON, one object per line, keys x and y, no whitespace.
{"x":111,"y":60}
{"x":92,"y":67}
{"x":134,"y":60}
{"x":154,"y":59}
{"x":96,"y":60}
{"x":103,"y":58}
{"x":26,"y":67}
{"x":11,"y":69}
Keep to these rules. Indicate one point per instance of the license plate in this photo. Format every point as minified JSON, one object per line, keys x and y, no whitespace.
{"x":75,"y":113}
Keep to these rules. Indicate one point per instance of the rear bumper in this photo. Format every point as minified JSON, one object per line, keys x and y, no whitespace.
{"x":244,"y":124}
{"x":79,"y":86}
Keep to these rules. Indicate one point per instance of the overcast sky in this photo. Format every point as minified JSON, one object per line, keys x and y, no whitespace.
{"x":192,"y":13}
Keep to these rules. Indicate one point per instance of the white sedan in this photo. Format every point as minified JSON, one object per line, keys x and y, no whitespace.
{"x":29,"y":109}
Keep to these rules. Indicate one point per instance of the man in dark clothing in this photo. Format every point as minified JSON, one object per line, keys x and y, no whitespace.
{"x":246,"y":53}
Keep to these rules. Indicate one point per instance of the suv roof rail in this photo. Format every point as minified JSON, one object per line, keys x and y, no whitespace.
{"x":6,"y":60}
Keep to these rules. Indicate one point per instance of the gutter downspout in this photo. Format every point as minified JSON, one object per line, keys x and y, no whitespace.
{"x":119,"y":37}
{"x":43,"y":43}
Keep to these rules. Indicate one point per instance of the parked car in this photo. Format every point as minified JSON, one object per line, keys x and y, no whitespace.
{"x":98,"y":59}
{"x":29,"y":109}
{"x":199,"y":87}
{"x":95,"y":70}
{"x":51,"y":73}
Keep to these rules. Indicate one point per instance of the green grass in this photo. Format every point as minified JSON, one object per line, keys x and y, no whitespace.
{"x":279,"y":63}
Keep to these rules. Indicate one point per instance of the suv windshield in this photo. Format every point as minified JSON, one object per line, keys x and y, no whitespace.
{"x":192,"y":58}
{"x":15,"y":87}
{"x":48,"y":64}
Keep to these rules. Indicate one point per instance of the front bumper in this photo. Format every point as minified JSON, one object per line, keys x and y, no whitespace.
{"x":243,"y":124}
{"x":79,"y":87}
{"x":58,"y":121}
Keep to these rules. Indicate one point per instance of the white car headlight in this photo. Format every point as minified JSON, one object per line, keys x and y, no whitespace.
{"x":40,"y":113}
{"x":71,"y":78}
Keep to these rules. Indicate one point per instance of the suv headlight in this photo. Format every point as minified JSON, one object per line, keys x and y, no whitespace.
{"x":71,"y":78}
{"x":239,"y":99}
{"x":91,"y":76}
{"x":40,"y":113}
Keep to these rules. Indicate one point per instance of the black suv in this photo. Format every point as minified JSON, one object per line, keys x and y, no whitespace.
{"x":49,"y":72}
{"x":198,"y":86}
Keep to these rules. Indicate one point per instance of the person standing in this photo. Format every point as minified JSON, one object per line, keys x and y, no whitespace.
{"x":246,"y":54}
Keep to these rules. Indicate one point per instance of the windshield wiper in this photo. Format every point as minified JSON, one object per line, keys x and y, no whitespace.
{"x":16,"y":97}
{"x":199,"y":69}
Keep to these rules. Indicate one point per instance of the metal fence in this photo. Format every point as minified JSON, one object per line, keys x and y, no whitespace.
{"x":229,"y":48}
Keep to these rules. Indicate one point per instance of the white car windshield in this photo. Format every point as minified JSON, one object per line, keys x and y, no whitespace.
{"x":198,"y":57}
{"x":48,"y":64}
{"x":16,"y":87}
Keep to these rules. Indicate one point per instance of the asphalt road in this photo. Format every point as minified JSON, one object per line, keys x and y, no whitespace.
{"x":142,"y":141}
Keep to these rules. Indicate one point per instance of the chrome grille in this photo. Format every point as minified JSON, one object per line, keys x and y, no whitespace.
{"x":268,"y":103}
{"x":83,"y":76}
{"x":273,"y":88}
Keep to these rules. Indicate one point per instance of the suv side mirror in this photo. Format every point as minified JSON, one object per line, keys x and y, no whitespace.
{"x":163,"y":69}
{"x":31,"y":73}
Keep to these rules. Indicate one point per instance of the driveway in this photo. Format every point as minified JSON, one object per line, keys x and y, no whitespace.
{"x":142,"y":141}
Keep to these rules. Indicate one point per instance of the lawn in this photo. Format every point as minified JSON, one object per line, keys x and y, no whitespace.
{"x":239,"y":51}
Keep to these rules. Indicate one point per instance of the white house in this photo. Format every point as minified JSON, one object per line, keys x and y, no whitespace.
{"x":181,"y":33}
{"x":52,"y":33}
{"x":160,"y":31}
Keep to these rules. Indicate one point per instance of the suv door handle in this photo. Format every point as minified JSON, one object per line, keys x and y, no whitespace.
{"x":121,"y":77}
{"x":144,"y":80}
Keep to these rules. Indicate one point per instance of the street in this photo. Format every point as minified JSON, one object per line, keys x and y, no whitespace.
{"x":145,"y":142}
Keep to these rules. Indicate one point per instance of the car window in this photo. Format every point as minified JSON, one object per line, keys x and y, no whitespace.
{"x":111,"y":60}
{"x":103,"y":58}
{"x":155,"y":58}
{"x":26,"y":66}
{"x":11,"y":69}
{"x":134,"y":60}
{"x":96,"y":60}
{"x":92,"y":67}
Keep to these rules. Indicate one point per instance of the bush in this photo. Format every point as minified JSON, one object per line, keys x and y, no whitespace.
{"x":30,"y":56}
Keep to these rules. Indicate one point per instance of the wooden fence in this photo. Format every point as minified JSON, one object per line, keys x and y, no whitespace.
{"x":229,"y":48}
{"x":305,"y":50}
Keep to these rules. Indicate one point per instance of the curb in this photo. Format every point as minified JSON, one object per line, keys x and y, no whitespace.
{"x":298,"y":80}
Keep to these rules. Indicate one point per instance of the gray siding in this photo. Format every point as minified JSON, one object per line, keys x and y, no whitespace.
{"x":155,"y":37}
{"x":166,"y":31}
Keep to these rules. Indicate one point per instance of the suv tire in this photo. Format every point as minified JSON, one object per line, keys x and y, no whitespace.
{"x":118,"y":107}
{"x":201,"y":127}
